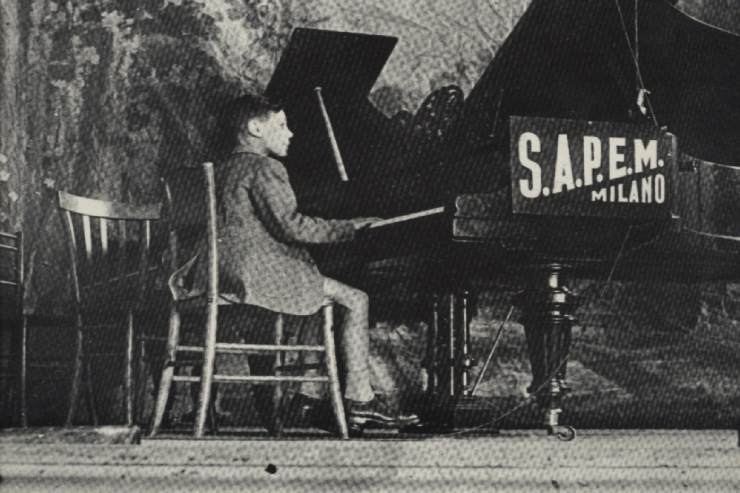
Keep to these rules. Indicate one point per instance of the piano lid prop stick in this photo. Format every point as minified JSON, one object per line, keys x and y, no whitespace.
{"x":332,"y":138}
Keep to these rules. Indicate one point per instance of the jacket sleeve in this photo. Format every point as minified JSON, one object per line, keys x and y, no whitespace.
{"x":276,"y":206}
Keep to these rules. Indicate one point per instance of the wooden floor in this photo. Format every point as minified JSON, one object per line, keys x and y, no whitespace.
{"x":615,"y":460}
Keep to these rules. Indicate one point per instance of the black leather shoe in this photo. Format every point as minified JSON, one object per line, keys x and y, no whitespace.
{"x":377,"y":413}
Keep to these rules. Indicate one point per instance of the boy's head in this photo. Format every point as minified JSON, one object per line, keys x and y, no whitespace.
{"x":260,"y":124}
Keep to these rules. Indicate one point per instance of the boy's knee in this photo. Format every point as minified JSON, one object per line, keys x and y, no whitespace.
{"x":363,"y":298}
{"x":359,"y":300}
{"x":349,"y":296}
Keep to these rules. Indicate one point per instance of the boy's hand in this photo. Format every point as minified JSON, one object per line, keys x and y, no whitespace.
{"x":364,"y":222}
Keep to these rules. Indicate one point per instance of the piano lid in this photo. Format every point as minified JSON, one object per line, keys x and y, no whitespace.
{"x":571,"y":59}
{"x":344,"y":64}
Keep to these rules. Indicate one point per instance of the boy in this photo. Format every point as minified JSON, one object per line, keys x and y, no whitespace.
{"x":262,"y":257}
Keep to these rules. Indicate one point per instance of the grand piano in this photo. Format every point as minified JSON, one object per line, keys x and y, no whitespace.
{"x":448,"y":177}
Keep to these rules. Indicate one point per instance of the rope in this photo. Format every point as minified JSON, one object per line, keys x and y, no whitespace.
{"x":643,"y":93}
{"x":718,"y":165}
{"x":637,"y":42}
{"x":617,"y":258}
{"x":713,"y":235}
{"x":532,"y":397}
{"x":492,"y":351}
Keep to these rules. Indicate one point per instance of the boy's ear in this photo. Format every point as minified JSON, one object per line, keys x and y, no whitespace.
{"x":254,"y":127}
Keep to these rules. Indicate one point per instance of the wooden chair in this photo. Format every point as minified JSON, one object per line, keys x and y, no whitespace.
{"x":109,"y":246}
{"x":210,"y":305}
{"x":13,"y":334}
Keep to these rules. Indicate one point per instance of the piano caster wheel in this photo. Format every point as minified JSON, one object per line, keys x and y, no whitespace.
{"x":563,"y":433}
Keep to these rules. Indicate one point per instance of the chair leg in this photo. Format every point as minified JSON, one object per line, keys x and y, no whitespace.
{"x":209,"y":359}
{"x":92,"y":407}
{"x":22,"y":374}
{"x":335,"y":391}
{"x":74,"y":391}
{"x":141,"y":372}
{"x":168,"y":371}
{"x":278,"y":391}
{"x":129,"y":370}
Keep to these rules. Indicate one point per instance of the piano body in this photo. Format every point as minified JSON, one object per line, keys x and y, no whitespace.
{"x":444,"y":176}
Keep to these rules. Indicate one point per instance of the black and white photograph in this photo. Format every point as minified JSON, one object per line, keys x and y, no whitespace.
{"x":369,"y":245}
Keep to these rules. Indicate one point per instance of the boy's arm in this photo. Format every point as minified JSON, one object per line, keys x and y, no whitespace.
{"x":277,"y":208}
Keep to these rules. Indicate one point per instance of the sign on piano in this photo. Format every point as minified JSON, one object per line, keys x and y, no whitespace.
{"x":581,"y":168}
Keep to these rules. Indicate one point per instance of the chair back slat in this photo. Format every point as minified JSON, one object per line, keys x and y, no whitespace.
{"x":120,"y":262}
{"x":87,"y":234}
{"x":103,"y":234}
{"x":148,"y":233}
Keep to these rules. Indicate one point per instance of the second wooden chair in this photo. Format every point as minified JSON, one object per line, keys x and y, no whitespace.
{"x":110,"y":246}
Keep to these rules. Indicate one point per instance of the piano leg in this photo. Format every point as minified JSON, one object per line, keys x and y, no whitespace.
{"x":452,"y":382}
{"x":548,"y":307}
{"x":431,"y":361}
{"x":452,"y":330}
{"x":449,"y":404}
{"x":465,"y":362}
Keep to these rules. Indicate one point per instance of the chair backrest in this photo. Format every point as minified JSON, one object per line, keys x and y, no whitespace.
{"x":11,"y":275}
{"x":193,"y":220}
{"x":110,"y":245}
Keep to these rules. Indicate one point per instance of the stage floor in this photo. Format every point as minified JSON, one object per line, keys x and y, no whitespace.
{"x":608,"y":460}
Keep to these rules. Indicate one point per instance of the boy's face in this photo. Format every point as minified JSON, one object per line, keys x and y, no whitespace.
{"x":275,"y":133}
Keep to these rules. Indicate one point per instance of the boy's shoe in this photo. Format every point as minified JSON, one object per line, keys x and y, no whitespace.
{"x":377,"y":413}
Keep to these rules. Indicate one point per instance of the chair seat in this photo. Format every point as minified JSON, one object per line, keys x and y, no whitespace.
{"x":199,"y":301}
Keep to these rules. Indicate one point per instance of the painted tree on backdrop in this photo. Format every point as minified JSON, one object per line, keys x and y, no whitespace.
{"x":468,"y":45}
{"x":100,"y":96}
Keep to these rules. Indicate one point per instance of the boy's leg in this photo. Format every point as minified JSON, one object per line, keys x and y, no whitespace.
{"x":363,"y":408}
{"x":355,"y":338}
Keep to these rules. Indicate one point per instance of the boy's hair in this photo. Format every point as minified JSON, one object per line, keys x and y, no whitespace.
{"x":240,"y":111}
